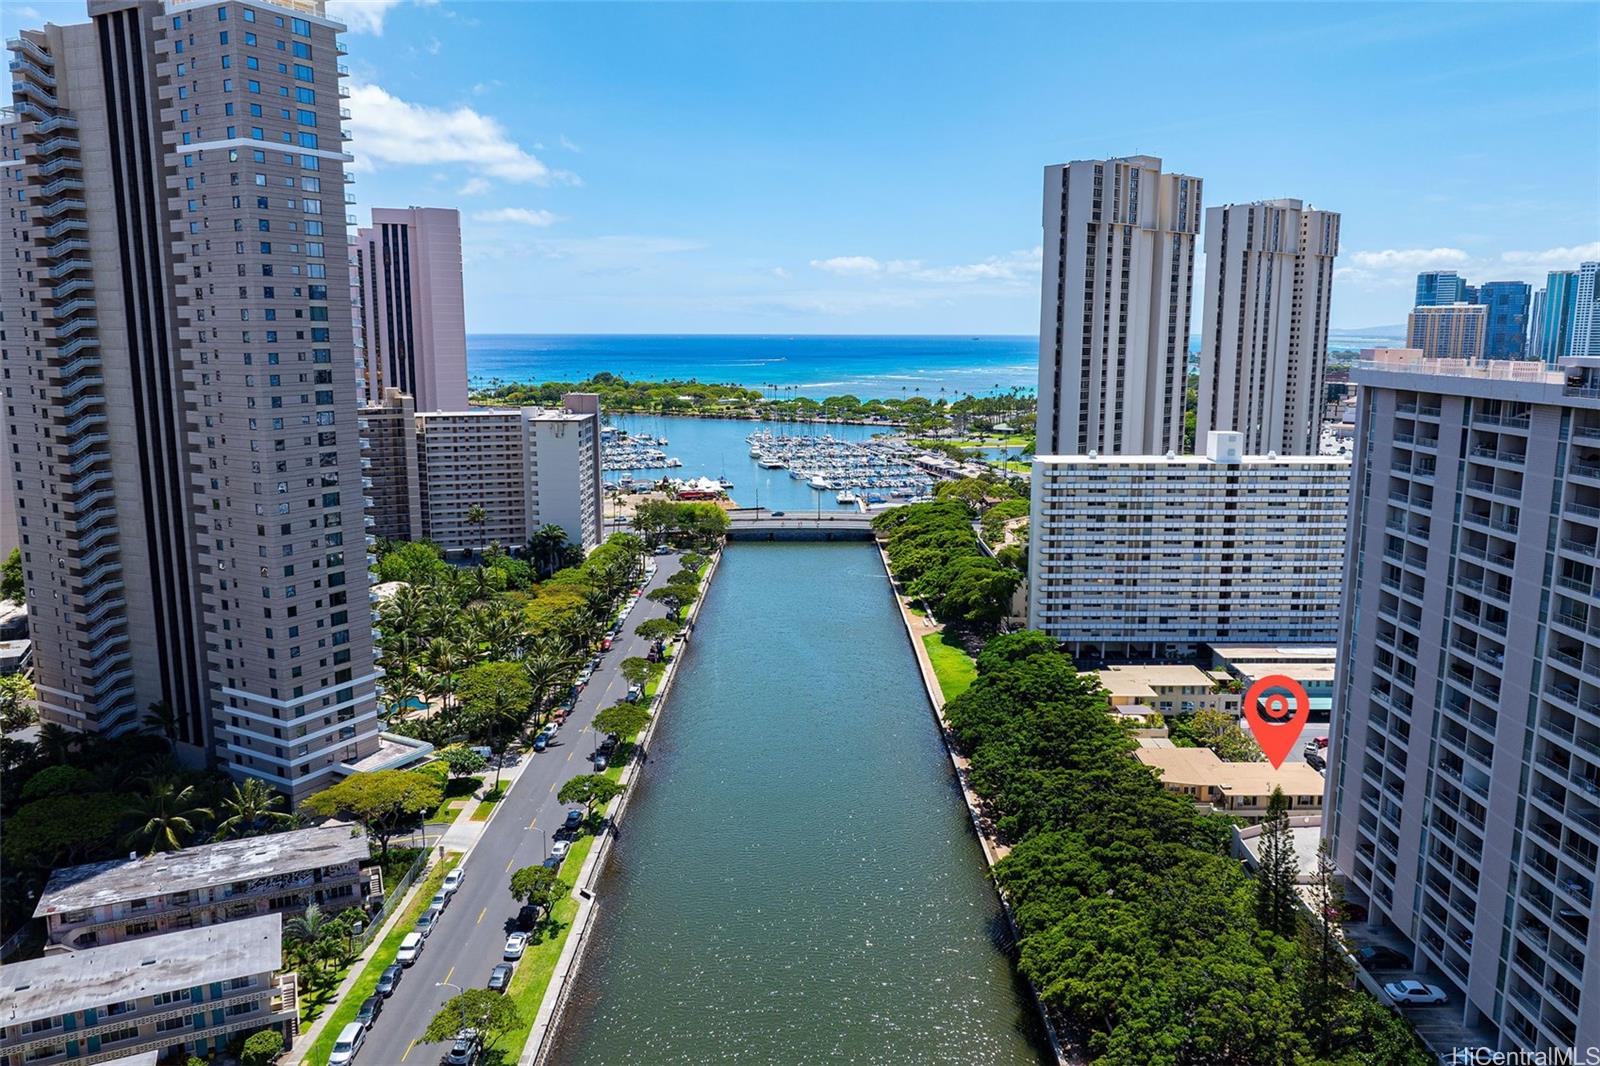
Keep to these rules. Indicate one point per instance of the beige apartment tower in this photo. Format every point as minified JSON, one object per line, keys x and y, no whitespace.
{"x":181,"y":430}
{"x":413,"y":313}
{"x":1448,"y":331}
{"x":1119,"y":239}
{"x":1269,"y":276}
{"x":389,"y":467}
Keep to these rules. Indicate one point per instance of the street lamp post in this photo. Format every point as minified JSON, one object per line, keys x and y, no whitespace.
{"x":461,"y":991}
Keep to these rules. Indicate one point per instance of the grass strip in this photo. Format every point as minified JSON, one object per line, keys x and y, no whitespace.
{"x":954,"y":668}
{"x":367,"y":983}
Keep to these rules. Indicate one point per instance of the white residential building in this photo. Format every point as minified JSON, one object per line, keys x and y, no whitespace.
{"x":1586,"y":312}
{"x":1464,"y":770}
{"x":1152,"y":556}
{"x":1269,"y":278}
{"x":496,"y":475}
{"x":1119,"y":240}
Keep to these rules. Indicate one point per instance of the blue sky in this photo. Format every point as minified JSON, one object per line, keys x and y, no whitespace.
{"x":682,"y":167}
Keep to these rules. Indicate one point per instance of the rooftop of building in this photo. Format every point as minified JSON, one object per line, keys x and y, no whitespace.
{"x":66,"y":982}
{"x":100,"y":884}
{"x":1574,"y":381}
{"x":1332,"y":462}
{"x":1275,"y":653}
{"x":545,"y":414}
{"x":1200,"y":768}
{"x":1305,"y":831}
{"x":1141,"y":681}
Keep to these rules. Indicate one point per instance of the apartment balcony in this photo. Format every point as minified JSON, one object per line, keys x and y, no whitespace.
{"x":60,"y":185}
{"x":38,"y":92}
{"x":60,"y":162}
{"x":57,"y":144}
{"x":61,"y":121}
{"x":56,"y":207}
{"x":28,"y":47}
{"x":74,"y":244}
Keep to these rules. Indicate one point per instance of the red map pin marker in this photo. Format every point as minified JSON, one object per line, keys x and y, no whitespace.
{"x":1277,"y":709}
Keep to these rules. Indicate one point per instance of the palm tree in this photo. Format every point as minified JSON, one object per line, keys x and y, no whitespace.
{"x":477,"y":516}
{"x":56,"y":743}
{"x":252,"y":807}
{"x":311,"y":926}
{"x":481,"y":584}
{"x":165,"y":817}
{"x":546,"y":664}
{"x":546,"y":547}
{"x":161,"y":718}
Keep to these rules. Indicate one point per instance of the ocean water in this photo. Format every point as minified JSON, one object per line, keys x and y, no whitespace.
{"x":879,"y":367}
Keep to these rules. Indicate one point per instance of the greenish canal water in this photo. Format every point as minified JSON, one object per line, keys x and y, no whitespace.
{"x":796,"y":880}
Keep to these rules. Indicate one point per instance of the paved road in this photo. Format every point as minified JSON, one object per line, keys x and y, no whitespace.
{"x":470,"y":936}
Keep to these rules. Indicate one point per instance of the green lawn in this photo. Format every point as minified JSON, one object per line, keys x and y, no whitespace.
{"x":368,"y":980}
{"x":486,"y":805}
{"x":951,"y":664}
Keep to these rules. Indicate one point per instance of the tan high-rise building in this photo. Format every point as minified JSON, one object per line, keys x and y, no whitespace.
{"x":413,"y":314}
{"x":1448,"y":331}
{"x":1119,"y":240}
{"x":1269,"y":275}
{"x":389,"y":467}
{"x":181,"y":425}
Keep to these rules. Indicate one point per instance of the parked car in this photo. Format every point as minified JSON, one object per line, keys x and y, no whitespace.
{"x":527,"y":917}
{"x":574,"y":819}
{"x":500,"y":977}
{"x":605,"y":644}
{"x":389,"y":979}
{"x":349,"y":1041}
{"x":600,"y":762}
{"x":1414,"y":992}
{"x":777,"y":514}
{"x":662,"y":549}
{"x":1376,"y":956}
{"x":1315,"y":761}
{"x":368,"y":1013}
{"x":559,"y":849}
{"x":410,"y":948}
{"x":483,"y":750}
{"x":453,"y":879}
{"x":608,"y":745}
{"x":541,"y":742}
{"x":440,"y":899}
{"x":516,"y":944}
{"x":464,"y":1052}
{"x":429,"y":919}
{"x":635,"y":693}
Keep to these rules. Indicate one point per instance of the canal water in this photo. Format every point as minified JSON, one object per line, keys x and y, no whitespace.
{"x":796,"y":880}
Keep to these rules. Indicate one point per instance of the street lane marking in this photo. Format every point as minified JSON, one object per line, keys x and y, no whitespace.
{"x":553,"y":784}
{"x":535,"y":823}
{"x":481,"y":914}
{"x":571,"y":753}
{"x":508,"y":864}
{"x":408,"y":1050}
{"x":448,"y":974}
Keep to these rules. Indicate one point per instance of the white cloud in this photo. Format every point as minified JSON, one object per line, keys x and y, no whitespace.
{"x":362,"y":16}
{"x":390,"y":130}
{"x":1409,"y":258}
{"x":474,"y":187}
{"x":1555,"y":258}
{"x":1019,"y":266}
{"x":569,"y":146}
{"x":525,"y":216}
{"x":779,"y":272}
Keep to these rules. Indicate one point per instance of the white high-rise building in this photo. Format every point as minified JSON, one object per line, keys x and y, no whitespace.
{"x":1119,"y":240}
{"x":1269,"y":276}
{"x":1151,"y":556}
{"x":1464,"y":773}
{"x":1586,"y":312}
{"x":496,"y":475}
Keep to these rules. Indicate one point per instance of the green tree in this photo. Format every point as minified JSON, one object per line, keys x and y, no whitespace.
{"x":59,"y":780}
{"x":462,"y":761}
{"x":1328,"y":973}
{"x":414,"y":562}
{"x":623,"y":720}
{"x":62,"y":830}
{"x":162,"y":719}
{"x":538,"y":886}
{"x":1221,"y":732}
{"x":589,"y":790}
{"x":637,"y":670}
{"x":165,"y":817}
{"x":16,"y":702}
{"x":1275,"y":877}
{"x":657,"y":628}
{"x":11,"y":583}
{"x":261,"y":1048}
{"x":384,"y":802}
{"x":251,"y":808}
{"x":496,"y":698}
{"x":490,"y":1013}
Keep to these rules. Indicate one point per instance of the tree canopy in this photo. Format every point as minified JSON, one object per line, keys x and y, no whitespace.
{"x":623,"y":720}
{"x":538,"y":886}
{"x":384,"y":802}
{"x":589,"y":790}
{"x":490,"y":1013}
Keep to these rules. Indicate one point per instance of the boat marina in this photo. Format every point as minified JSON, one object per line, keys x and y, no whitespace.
{"x":860,"y":472}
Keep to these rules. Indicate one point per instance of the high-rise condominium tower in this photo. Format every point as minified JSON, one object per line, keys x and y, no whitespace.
{"x":1448,"y":331}
{"x":1506,"y":330}
{"x":1586,"y":311}
{"x":1119,"y":241}
{"x":410,"y":301}
{"x":1436,"y":287}
{"x":1550,"y":332}
{"x":181,"y":425}
{"x":1464,"y":779}
{"x":1269,"y":275}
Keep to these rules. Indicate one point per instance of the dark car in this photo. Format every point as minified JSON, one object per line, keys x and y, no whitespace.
{"x":574,"y":819}
{"x":1376,"y":955}
{"x":389,"y":979}
{"x":371,"y":1007}
{"x":541,"y":742}
{"x":600,"y":762}
{"x":777,"y":514}
{"x":527,"y":918}
{"x":500,"y":978}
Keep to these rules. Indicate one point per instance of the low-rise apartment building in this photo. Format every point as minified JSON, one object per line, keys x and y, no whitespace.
{"x":1149,"y":556}
{"x":178,"y":994}
{"x":1167,"y":689}
{"x":1242,"y":789}
{"x":125,"y":899}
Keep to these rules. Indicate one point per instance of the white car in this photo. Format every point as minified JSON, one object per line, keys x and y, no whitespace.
{"x":1414,"y":992}
{"x":410,"y":948}
{"x":351,"y":1037}
{"x":452,"y":881}
{"x":440,"y":898}
{"x":516,"y":943}
{"x":559,"y":849}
